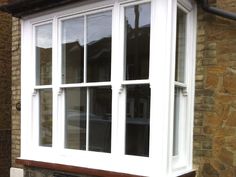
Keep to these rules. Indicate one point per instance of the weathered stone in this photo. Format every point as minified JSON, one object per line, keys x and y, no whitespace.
{"x":231,"y":121}
{"x":209,"y":171}
{"x":212,"y":80}
{"x":213,"y":120}
{"x":229,"y":83}
{"x":226,"y":157}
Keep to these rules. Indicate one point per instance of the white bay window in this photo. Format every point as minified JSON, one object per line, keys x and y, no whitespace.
{"x":109,"y":85}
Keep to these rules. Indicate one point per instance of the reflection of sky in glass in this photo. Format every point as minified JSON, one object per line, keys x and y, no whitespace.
{"x":99,"y":26}
{"x":73,"y":30}
{"x":44,"y":36}
{"x":144,"y":15}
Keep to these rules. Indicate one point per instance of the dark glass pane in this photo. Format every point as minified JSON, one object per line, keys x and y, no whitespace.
{"x":137,"y":37}
{"x":73,"y":50}
{"x":45,"y":117}
{"x":75,"y":118}
{"x":99,"y":47}
{"x":176,"y":121}
{"x":180,"y":46}
{"x":100,"y":119}
{"x":43,"y":54}
{"x":137,"y":120}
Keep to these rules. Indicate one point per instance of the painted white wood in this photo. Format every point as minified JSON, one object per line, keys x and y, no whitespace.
{"x":183,"y":162}
{"x":16,"y":172}
{"x":115,"y":79}
{"x":87,"y":119}
{"x":162,"y":57}
{"x":91,"y":84}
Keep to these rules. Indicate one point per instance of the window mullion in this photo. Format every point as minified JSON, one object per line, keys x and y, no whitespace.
{"x":87,"y":119}
{"x":160,"y":46}
{"x":85,"y":49}
{"x":55,"y":86}
{"x":115,"y":80}
{"x":121,"y":90}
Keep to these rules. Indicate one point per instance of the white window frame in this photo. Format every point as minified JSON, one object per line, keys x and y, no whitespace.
{"x":161,"y":63}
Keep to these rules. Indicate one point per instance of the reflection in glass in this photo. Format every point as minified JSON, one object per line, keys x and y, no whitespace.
{"x":180,"y":46}
{"x":43,"y":49}
{"x":137,"y":37}
{"x":176,"y":121}
{"x":100,"y":119}
{"x":137,"y":120}
{"x":75,"y":118}
{"x":73,"y":50}
{"x":99,"y":47}
{"x":45,"y":117}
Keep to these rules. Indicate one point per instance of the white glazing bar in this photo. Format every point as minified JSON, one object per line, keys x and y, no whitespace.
{"x":179,"y":84}
{"x":43,"y":87}
{"x":135,"y":82}
{"x":85,"y":49}
{"x":92,"y":84}
{"x":87,"y":120}
{"x":55,"y":84}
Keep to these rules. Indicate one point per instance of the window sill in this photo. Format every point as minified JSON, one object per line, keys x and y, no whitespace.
{"x":81,"y":170}
{"x":71,"y":169}
{"x":190,"y":174}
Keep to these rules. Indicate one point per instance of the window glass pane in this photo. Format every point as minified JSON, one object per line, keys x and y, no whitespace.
{"x":75,"y":118}
{"x":99,"y":47}
{"x":73,"y":50}
{"x":43,"y":54}
{"x":137,"y":37}
{"x":176,"y":121}
{"x":180,"y":46}
{"x":45,"y":117}
{"x":100,"y":119}
{"x":137,"y":120}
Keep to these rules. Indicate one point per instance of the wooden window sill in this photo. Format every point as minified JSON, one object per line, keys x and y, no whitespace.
{"x":81,"y":170}
{"x":190,"y":174}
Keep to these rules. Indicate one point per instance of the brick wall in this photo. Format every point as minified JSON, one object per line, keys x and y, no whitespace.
{"x":5,"y":93}
{"x":35,"y":172}
{"x":215,"y":103}
{"x":15,"y":90}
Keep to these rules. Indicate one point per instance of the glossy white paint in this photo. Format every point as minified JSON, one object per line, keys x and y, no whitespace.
{"x":16,"y":172}
{"x":162,"y":65}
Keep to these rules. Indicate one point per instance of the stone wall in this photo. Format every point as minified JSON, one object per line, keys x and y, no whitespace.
{"x":38,"y":172}
{"x":15,"y":90}
{"x":215,"y":103}
{"x":5,"y":93}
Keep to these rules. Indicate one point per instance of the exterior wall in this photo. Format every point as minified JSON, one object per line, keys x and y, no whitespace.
{"x":35,"y":172}
{"x":5,"y":93}
{"x":215,"y":102}
{"x":15,"y":90}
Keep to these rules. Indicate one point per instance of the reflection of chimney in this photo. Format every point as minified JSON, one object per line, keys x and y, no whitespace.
{"x":76,"y":47}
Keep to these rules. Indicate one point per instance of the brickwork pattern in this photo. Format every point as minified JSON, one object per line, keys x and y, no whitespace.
{"x":215,"y":102}
{"x":5,"y":94}
{"x":15,"y":90}
{"x":36,"y":172}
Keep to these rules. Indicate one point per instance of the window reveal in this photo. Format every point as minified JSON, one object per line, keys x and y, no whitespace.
{"x":180,"y":82}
